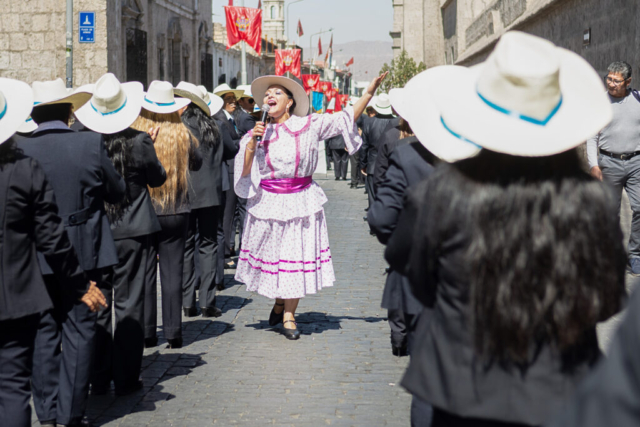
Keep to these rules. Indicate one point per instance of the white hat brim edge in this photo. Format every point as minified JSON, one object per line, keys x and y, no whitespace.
{"x":19,"y":98}
{"x":216,"y":103}
{"x":115,"y":122}
{"x":414,"y":104}
{"x":237,"y":93}
{"x":585,"y":110}
{"x":261,"y":84}
{"x":168,"y":109}
{"x":77,"y":100}
{"x":194,"y":99}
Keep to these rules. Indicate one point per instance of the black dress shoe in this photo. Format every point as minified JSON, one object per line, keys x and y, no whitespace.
{"x":175,"y":342}
{"x":84,"y":422}
{"x":275,"y":318}
{"x":399,"y":351}
{"x":150,"y":342}
{"x":131,"y":389}
{"x":220,"y":287}
{"x":290,"y":334}
{"x":190,"y":311}
{"x":211,"y":312}
{"x":365,"y":219}
{"x":338,"y":178}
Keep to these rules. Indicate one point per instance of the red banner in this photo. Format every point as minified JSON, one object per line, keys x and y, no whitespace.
{"x":350,"y":62}
{"x":333,"y":93}
{"x":319,"y":46}
{"x":310,"y":82}
{"x":244,"y":23}
{"x":288,"y":60}
{"x":300,"y":32}
{"x":341,"y":102}
{"x":326,"y":88}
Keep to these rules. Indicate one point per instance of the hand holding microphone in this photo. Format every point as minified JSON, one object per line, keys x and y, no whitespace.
{"x":265,"y":112}
{"x":258,"y":130}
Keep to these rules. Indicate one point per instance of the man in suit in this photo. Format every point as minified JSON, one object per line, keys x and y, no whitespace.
{"x":83,"y":179}
{"x":340,"y":156}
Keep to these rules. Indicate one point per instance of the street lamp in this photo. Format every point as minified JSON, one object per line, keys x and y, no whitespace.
{"x":287,"y":17}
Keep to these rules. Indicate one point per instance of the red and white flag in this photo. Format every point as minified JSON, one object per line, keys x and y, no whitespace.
{"x":244,"y":23}
{"x":319,"y":46}
{"x":329,"y":55}
{"x":300,"y":32}
{"x":310,"y":82}
{"x":350,"y":62}
{"x":288,"y":60}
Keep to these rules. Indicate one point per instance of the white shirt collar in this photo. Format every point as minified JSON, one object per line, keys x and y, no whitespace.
{"x":226,"y":113}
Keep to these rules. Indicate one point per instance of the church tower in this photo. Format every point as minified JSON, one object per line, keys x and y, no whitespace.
{"x":273,"y":20}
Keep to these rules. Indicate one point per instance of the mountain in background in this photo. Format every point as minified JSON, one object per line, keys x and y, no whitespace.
{"x":368,"y":56}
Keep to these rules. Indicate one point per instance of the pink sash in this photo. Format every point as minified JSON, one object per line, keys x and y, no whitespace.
{"x":286,"y":185}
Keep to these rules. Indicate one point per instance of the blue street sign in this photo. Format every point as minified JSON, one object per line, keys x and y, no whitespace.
{"x":87,"y":27}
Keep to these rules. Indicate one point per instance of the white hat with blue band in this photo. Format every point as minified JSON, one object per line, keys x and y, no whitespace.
{"x":16,"y":103}
{"x":159,"y":98}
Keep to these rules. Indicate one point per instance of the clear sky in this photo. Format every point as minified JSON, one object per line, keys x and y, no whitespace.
{"x":350,"y":19}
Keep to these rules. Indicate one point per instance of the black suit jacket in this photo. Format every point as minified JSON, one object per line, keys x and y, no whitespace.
{"x":83,"y":178}
{"x":336,"y":143}
{"x":29,"y":222}
{"x":374,"y":130}
{"x":390,"y":142}
{"x":244,"y":122}
{"x":231,"y":143}
{"x":139,"y":217}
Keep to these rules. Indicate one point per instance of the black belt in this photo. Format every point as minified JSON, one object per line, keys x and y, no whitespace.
{"x":620,"y":156}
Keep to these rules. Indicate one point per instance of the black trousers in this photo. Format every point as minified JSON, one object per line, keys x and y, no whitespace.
{"x":169,"y":247}
{"x":219,"y":276}
{"x":63,"y":355}
{"x":150,"y":289}
{"x":340,"y":162}
{"x":446,"y":419}
{"x":118,"y":354}
{"x":402,"y":326}
{"x":234,"y":209}
{"x":421,"y":413}
{"x":355,"y":169}
{"x":238,"y":223}
{"x":17,"y":337}
{"x":203,"y":229}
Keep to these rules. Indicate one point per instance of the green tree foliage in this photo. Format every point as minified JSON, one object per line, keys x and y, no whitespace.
{"x":401,"y":70}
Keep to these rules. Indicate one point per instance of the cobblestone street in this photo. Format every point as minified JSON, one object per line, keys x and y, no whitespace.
{"x":236,"y":370}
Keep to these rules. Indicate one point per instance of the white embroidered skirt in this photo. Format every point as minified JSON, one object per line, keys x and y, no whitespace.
{"x":285,"y":259}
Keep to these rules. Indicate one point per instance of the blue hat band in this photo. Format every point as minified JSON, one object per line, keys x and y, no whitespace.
{"x":110,"y":112}
{"x":160,"y":104}
{"x":4,"y":110}
{"x":520,"y":116}
{"x":457,"y":135}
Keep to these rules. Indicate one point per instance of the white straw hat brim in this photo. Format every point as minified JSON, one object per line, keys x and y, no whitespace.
{"x":261,"y":84}
{"x":164,"y":108}
{"x":215,"y":103}
{"x":77,"y":99}
{"x":384,"y":111}
{"x":118,"y":120}
{"x":19,"y":103}
{"x":585,"y":109}
{"x":238,"y":93}
{"x":198,"y":101}
{"x":414,"y":104}
{"x":28,"y":126}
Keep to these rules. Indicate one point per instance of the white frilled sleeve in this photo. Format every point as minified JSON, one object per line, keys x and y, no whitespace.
{"x":247,"y":187}
{"x":342,"y":123}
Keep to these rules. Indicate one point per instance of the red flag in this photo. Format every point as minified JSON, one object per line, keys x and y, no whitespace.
{"x":319,"y":46}
{"x":310,"y":82}
{"x":300,"y":32}
{"x":327,"y":89}
{"x":259,"y":4}
{"x":288,"y":60}
{"x":341,"y":102}
{"x":244,"y":23}
{"x":350,"y":62}
{"x":329,"y":51}
{"x":230,"y":2}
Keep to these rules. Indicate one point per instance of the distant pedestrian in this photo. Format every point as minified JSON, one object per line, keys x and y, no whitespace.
{"x":516,"y":250}
{"x":340,"y":156}
{"x":614,"y":153}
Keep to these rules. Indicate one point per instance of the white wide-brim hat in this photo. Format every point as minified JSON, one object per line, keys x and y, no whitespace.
{"x":55,"y":92}
{"x":16,"y":103}
{"x":529,"y":98}
{"x":192,"y":92}
{"x":28,"y":126}
{"x":415,"y":104}
{"x":113,"y":107}
{"x":261,"y":84}
{"x":159,"y":98}
{"x":224,"y":88}
{"x":382,"y":104}
{"x":247,"y":91}
{"x":214,"y":102}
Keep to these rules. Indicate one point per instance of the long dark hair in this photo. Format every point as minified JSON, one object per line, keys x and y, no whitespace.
{"x":545,"y":258}
{"x":9,"y":152}
{"x":209,"y":133}
{"x":119,"y":147}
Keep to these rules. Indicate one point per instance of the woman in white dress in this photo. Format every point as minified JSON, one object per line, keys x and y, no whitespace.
{"x":285,"y":247}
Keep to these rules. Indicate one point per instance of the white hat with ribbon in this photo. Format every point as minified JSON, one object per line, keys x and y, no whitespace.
{"x":214,"y":102}
{"x":159,"y":98}
{"x":260,"y":85}
{"x":55,"y":92}
{"x":113,"y":107}
{"x":16,"y":103}
{"x":529,"y":98}
{"x":224,"y":88}
{"x":247,"y":91}
{"x":382,"y":104}
{"x":194,"y":93}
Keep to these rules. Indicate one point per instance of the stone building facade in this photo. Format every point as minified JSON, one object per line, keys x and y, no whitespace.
{"x":273,"y":20}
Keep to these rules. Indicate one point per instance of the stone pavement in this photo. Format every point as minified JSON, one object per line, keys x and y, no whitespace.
{"x":236,"y":370}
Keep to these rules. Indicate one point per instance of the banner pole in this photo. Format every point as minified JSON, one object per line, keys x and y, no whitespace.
{"x":243,"y":59}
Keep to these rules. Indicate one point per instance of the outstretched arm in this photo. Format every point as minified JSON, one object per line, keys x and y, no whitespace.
{"x":359,"y":107}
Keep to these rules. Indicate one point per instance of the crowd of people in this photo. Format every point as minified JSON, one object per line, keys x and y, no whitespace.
{"x":504,"y":252}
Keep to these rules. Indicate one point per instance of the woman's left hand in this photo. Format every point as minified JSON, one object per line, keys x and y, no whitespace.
{"x":375,"y":84}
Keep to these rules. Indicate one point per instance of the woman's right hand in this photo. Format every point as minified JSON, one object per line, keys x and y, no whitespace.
{"x":258,"y":130}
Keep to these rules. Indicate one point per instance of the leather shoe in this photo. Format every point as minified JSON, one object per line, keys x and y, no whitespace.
{"x":211,"y":312}
{"x":399,"y":351}
{"x":290,"y":334}
{"x":220,"y":287}
{"x":150,"y":342}
{"x":365,"y":219}
{"x":190,"y":311}
{"x":84,"y":422}
{"x":175,"y":342}
{"x":128,"y":390}
{"x":275,"y":318}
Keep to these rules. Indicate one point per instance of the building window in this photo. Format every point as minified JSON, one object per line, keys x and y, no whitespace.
{"x":137,"y":56}
{"x":175,"y":62}
{"x":160,"y":64}
{"x":185,"y":51}
{"x":449,"y":18}
{"x":273,"y":12}
{"x":219,"y":62}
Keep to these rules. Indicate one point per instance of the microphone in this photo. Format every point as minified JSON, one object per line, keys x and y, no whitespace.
{"x":265,"y":112}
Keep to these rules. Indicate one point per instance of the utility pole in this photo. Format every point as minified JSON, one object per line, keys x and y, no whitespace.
{"x":243,"y":61}
{"x":69,"y":52}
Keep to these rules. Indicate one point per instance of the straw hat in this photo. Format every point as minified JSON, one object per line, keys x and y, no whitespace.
{"x":16,"y":103}
{"x":28,"y":126}
{"x":414,"y":104}
{"x":192,"y":92}
{"x":247,"y":91}
{"x":113,"y":107}
{"x":261,"y":84}
{"x":55,"y":92}
{"x":214,"y":102}
{"x":224,"y":89}
{"x":382,"y":104}
{"x":529,"y":98}
{"x":159,"y":98}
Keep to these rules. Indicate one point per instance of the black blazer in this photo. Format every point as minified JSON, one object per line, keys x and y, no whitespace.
{"x":29,"y":222}
{"x":336,"y":143}
{"x":83,"y":178}
{"x":244,"y":122}
{"x":139,"y":217}
{"x":230,"y":140}
{"x":374,"y":129}
{"x":390,"y":142}
{"x":409,"y":164}
{"x":444,"y":369}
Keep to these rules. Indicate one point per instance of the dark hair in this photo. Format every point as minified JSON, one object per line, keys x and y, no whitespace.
{"x":119,"y":147}
{"x":405,"y":127}
{"x":48,"y":113}
{"x":9,"y":152}
{"x":209,"y":133}
{"x":545,"y":256}
{"x":620,"y":67}
{"x":290,"y":96}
